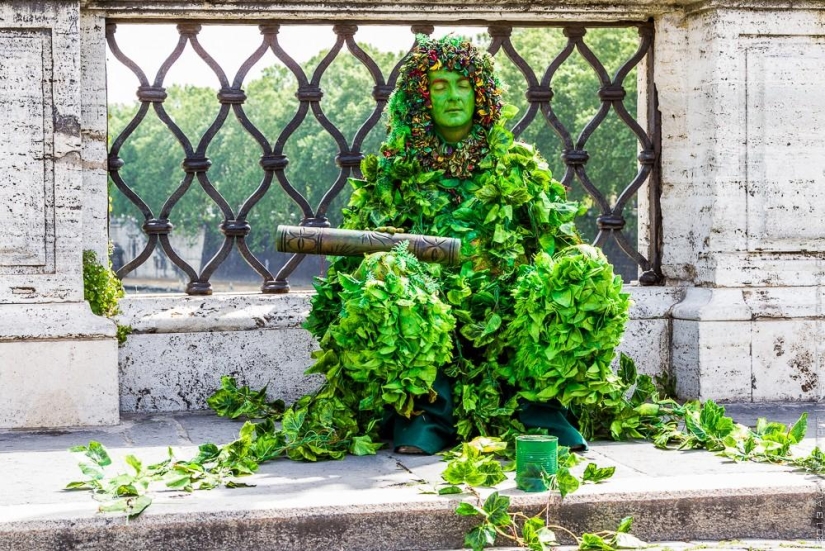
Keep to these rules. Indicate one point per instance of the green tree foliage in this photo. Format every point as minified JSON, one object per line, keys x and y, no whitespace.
{"x":152,"y":155}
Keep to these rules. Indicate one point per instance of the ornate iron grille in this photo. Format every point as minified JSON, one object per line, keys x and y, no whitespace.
{"x":235,"y":227}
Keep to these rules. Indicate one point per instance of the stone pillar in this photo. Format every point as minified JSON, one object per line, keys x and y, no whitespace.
{"x":58,"y":362}
{"x":94,"y":126}
{"x":743,"y":196}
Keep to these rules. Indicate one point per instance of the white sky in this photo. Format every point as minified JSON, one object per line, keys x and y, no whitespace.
{"x":231,"y":45}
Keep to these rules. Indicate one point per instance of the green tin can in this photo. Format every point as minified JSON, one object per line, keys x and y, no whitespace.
{"x":536,"y":456}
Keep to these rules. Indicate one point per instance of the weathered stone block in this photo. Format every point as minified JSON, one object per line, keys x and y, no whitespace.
{"x":711,"y":360}
{"x":785,"y":116}
{"x":684,"y":358}
{"x":58,"y":362}
{"x":56,"y":367}
{"x":786,"y":360}
{"x":648,"y":343}
{"x":179,"y":371}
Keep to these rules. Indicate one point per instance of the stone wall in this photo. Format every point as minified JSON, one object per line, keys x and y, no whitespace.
{"x":183,"y":345}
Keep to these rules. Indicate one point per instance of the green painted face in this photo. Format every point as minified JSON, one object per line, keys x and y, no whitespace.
{"x":453,"y":103}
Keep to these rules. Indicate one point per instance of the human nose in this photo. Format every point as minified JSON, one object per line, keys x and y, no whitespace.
{"x":453,"y":93}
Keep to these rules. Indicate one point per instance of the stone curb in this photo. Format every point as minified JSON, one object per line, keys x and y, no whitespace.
{"x":773,"y":513}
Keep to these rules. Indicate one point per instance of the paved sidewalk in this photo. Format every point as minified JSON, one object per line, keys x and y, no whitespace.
{"x":376,"y":502}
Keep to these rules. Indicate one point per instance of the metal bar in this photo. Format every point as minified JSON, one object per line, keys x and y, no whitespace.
{"x":336,"y":242}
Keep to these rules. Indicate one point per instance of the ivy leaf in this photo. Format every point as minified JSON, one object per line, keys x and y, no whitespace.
{"x":625,"y":525}
{"x":449,"y":490}
{"x":647,"y":409}
{"x":714,"y":421}
{"x":497,"y":507}
{"x":293,"y":421}
{"x":627,"y":541}
{"x":547,"y":538}
{"x":568,"y":459}
{"x":480,"y":537}
{"x":115,"y":506}
{"x":595,"y":474}
{"x":508,"y":111}
{"x":235,"y":484}
{"x":97,"y":453}
{"x":537,"y":536}
{"x":137,"y":505}
{"x":92,"y":471}
{"x":135,"y":463}
{"x":79,"y":485}
{"x":533,"y":479}
{"x":463,"y":472}
{"x":530,"y":529}
{"x":466,"y":509}
{"x":564,"y":482}
{"x":178,"y":479}
{"x":593,"y":541}
{"x":695,"y":427}
{"x":363,"y":445}
{"x":492,"y":325}
{"x":206,"y":453}
{"x":799,"y":429}
{"x":627,"y":369}
{"x":492,"y":471}
{"x":488,"y":444}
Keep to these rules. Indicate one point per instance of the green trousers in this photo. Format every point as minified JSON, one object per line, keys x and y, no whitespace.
{"x":434,"y":429}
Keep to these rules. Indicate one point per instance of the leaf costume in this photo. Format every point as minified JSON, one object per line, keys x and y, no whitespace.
{"x":503,"y":344}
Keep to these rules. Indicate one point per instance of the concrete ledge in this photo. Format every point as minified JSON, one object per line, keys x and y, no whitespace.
{"x":653,"y":302}
{"x":760,"y":344}
{"x":67,"y":320}
{"x":240,"y":312}
{"x":181,"y":345}
{"x":751,"y":303}
{"x":222,"y":312}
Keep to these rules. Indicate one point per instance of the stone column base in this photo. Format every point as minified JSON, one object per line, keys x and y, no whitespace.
{"x":750,"y":344}
{"x":58,"y":367}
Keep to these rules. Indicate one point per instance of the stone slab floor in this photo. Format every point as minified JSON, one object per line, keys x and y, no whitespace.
{"x":379,"y":502}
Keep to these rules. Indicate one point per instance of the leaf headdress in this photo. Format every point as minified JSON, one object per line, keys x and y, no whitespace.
{"x":411,"y":130}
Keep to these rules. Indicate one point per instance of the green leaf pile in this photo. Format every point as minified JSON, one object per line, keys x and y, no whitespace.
{"x":570,"y":316}
{"x":233,"y":401}
{"x":391,"y":337}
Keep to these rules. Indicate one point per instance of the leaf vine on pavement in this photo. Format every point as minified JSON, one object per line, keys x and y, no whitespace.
{"x":534,"y":533}
{"x":478,"y":463}
{"x":129,"y":492}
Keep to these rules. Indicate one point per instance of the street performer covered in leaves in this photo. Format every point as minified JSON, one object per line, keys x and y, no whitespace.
{"x":518,"y":338}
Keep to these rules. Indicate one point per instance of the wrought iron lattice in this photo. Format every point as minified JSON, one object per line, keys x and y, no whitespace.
{"x":231,"y":96}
